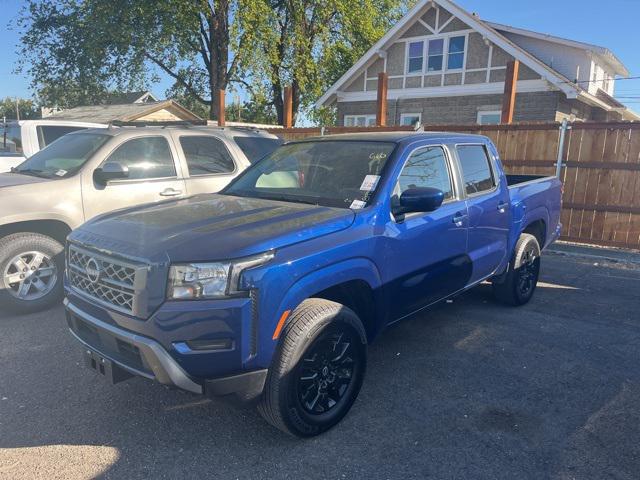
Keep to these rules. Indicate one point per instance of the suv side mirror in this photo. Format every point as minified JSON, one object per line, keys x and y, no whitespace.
{"x":424,"y":199}
{"x":110,"y":171}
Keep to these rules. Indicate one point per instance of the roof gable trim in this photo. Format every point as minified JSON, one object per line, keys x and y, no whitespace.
{"x":476,"y":24}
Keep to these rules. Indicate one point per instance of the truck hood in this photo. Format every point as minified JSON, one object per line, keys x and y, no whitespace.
{"x":209,"y":227}
{"x":14,"y":179}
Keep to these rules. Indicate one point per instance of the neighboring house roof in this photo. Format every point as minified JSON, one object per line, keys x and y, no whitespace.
{"x":555,"y":78}
{"x":130,"y":97}
{"x":605,"y":53}
{"x":126,"y":112}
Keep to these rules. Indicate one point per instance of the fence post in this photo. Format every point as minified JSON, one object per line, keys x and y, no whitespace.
{"x":381,"y":110}
{"x":510,"y":87}
{"x":287,"y":118}
{"x":221,"y":113}
{"x":563,"y":133}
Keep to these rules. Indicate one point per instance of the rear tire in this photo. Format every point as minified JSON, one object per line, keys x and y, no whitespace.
{"x":519,"y":283}
{"x":317,"y":371}
{"x":31,"y":270}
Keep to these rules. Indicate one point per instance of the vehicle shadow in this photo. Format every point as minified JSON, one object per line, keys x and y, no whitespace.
{"x":468,"y":389}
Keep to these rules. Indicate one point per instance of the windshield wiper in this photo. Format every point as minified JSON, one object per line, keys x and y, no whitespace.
{"x":31,"y":172}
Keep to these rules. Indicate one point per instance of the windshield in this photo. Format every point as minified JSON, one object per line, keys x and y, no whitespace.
{"x":63,"y":157}
{"x":257,"y":147}
{"x":336,"y":173}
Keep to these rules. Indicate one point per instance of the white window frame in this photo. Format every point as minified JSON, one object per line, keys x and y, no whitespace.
{"x":405,"y":115}
{"x":464,"y":52}
{"x":408,"y":58}
{"x":443,"y":55}
{"x":425,"y":55}
{"x":482,"y":113}
{"x":369,"y":120}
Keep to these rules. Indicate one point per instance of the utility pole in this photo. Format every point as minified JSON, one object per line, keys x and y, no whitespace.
{"x":17,"y":108}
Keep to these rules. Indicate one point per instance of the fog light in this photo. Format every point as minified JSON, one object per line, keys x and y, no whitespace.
{"x":216,"y":344}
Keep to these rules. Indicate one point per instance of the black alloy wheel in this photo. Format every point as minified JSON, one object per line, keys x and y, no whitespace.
{"x":326,"y":371}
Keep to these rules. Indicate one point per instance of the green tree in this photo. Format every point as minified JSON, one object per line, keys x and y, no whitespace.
{"x":309,"y":44}
{"x":76,"y":51}
{"x":27,"y":109}
{"x":258,"y":109}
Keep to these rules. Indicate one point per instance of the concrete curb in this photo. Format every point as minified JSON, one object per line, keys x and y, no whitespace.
{"x":625,"y":257}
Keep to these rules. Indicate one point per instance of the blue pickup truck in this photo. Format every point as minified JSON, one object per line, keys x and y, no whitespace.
{"x":270,"y":291}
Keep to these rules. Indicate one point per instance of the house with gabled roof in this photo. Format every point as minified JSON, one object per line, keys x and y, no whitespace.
{"x":448,"y":66}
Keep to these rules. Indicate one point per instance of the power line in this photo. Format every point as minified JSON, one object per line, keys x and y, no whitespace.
{"x":602,"y":80}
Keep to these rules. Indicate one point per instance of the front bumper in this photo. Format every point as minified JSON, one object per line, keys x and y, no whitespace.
{"x":145,"y":357}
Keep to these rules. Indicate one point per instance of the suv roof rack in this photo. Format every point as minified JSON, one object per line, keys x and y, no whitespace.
{"x":237,"y":127}
{"x":169,"y":123}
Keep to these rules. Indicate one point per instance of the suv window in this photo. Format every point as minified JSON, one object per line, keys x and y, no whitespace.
{"x":13,"y":137}
{"x":206,"y":155}
{"x":476,"y":168}
{"x":50,"y":133}
{"x":146,"y":157}
{"x":427,"y":167}
{"x":255,"y":148}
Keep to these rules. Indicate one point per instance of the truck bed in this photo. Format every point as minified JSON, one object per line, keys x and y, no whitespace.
{"x":536,"y":198}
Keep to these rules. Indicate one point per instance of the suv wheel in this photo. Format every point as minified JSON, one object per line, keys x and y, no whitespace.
{"x":317,"y":371}
{"x":520,"y":281}
{"x":31,"y":268}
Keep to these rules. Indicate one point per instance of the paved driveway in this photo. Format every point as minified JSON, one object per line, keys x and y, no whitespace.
{"x":468,"y":390}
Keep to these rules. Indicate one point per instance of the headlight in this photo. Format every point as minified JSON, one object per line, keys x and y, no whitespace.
{"x":210,"y":280}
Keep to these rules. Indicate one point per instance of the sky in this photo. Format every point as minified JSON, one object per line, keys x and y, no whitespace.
{"x":612,"y":24}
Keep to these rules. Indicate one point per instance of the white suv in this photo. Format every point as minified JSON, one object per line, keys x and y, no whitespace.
{"x":19,"y":139}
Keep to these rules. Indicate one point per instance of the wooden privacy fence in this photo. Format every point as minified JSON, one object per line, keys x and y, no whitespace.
{"x":601,"y":176}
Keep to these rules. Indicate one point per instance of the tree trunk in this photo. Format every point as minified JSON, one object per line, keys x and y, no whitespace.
{"x":219,"y":54}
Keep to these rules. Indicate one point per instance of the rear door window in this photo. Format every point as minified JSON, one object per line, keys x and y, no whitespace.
{"x":206,"y":155}
{"x":146,"y":157}
{"x":255,"y":148}
{"x":476,"y":169}
{"x":50,"y":133}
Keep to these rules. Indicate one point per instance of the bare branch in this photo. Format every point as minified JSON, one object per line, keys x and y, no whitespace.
{"x":177,"y":78}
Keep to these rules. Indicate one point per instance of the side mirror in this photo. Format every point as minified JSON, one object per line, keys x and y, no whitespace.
{"x":110,"y":171}
{"x":424,"y":199}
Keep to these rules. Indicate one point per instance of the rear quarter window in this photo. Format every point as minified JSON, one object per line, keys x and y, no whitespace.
{"x":255,"y":148}
{"x":13,"y":137}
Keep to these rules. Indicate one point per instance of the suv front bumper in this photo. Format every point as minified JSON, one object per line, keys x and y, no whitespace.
{"x":144,"y":357}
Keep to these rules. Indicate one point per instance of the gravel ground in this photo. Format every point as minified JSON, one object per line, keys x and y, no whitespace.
{"x":470,"y":389}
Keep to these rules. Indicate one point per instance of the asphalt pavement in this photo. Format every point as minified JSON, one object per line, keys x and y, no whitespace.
{"x":468,"y":390}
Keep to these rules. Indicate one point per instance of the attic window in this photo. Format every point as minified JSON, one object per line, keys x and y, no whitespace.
{"x":416,"y":57}
{"x":436,"y":55}
{"x":456,"y":53}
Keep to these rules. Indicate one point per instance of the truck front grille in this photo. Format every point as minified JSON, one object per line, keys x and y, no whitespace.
{"x":108,"y":280}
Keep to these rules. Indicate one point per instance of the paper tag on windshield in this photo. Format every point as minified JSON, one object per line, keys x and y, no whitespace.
{"x":370,"y":183}
{"x":61,"y":173}
{"x":358,"y":205}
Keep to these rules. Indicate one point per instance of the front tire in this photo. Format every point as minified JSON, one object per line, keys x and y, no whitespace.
{"x":31,"y":269}
{"x":519,"y":283}
{"x":318,"y":369}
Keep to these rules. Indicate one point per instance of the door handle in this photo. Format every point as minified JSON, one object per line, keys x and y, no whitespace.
{"x":458,"y":219}
{"x":170,"y":192}
{"x":502,"y":207}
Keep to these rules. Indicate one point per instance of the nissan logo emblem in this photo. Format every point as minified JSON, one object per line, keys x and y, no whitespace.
{"x":93,"y":270}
